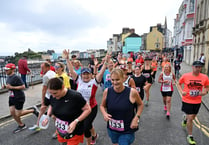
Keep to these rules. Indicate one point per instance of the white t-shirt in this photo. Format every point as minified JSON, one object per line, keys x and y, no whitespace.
{"x":50,"y":74}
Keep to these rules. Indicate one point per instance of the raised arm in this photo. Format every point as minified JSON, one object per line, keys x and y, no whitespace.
{"x":69,"y":64}
{"x":100,"y":74}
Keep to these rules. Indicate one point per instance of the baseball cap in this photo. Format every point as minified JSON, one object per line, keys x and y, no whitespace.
{"x":9,"y":66}
{"x":197,"y":63}
{"x":88,"y":70}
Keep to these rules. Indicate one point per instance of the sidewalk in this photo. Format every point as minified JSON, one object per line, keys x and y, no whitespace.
{"x":185,"y":68}
{"x":32,"y":95}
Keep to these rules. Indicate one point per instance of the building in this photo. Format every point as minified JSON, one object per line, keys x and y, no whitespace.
{"x":201,"y":32}
{"x":154,"y":40}
{"x":183,"y":38}
{"x":132,"y":43}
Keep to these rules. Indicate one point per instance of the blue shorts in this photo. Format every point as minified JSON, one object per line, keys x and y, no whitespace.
{"x":121,"y":138}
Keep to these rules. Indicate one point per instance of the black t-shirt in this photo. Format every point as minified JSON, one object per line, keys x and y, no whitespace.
{"x":140,"y":83}
{"x":68,"y":108}
{"x":15,"y":80}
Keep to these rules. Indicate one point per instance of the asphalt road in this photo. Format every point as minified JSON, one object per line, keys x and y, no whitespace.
{"x":154,"y":128}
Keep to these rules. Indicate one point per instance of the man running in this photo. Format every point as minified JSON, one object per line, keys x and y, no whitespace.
{"x":195,"y":85}
{"x":15,"y":85}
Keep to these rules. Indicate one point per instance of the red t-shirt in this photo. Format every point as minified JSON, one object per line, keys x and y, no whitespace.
{"x":193,"y":85}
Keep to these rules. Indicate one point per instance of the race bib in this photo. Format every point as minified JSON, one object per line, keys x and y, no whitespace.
{"x":11,"y":93}
{"x":194,"y":93}
{"x":166,"y":87}
{"x":117,"y":125}
{"x":61,"y":125}
{"x":138,"y":89}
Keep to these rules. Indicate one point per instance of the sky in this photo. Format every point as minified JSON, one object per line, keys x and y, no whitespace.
{"x":76,"y":24}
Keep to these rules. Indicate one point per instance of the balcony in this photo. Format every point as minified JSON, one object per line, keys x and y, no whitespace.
{"x":202,"y":24}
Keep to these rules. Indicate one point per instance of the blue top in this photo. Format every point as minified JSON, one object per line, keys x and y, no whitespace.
{"x":121,"y":109}
{"x":78,"y":71}
{"x":107,"y":79}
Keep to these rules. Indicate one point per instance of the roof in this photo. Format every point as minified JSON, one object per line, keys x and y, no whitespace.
{"x":133,"y":35}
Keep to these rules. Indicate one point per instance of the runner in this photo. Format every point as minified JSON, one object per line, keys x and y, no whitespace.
{"x":106,"y":76}
{"x":128,"y":81}
{"x":70,"y":109}
{"x":60,"y":72}
{"x":130,"y":70}
{"x":140,"y":81}
{"x":166,"y":79}
{"x":154,"y":65}
{"x":88,"y":87}
{"x":16,"y":97}
{"x":195,"y":85}
{"x":147,"y":72}
{"x":118,"y":110}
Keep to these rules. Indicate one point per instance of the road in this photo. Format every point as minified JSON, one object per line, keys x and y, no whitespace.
{"x":154,"y":127}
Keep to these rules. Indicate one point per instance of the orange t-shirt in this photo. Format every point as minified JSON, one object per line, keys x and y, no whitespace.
{"x":193,"y":85}
{"x":154,"y":66}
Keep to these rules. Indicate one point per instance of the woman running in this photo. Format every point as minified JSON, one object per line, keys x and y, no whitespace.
{"x":140,"y":81}
{"x":166,"y":79}
{"x":147,"y":72}
{"x":87,"y":86}
{"x":154,"y":65}
{"x":118,"y":109}
{"x":70,"y":109}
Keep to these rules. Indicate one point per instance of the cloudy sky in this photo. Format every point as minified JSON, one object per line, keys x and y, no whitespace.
{"x":76,"y":24}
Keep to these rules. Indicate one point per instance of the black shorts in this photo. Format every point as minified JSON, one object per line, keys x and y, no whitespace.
{"x":190,"y":108}
{"x":165,"y":94}
{"x":17,"y":103}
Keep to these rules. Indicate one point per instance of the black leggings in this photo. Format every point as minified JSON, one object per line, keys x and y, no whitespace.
{"x":89,"y":121}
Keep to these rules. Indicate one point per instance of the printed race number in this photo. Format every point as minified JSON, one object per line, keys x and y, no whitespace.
{"x":117,"y":125}
{"x":194,"y":93}
{"x":61,"y":125}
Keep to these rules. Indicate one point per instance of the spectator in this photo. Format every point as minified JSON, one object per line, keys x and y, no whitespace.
{"x":23,"y":69}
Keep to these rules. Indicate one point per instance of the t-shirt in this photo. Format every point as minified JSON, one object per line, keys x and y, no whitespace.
{"x":67,"y":109}
{"x":88,"y":90}
{"x":15,"y":80}
{"x":193,"y":85}
{"x":140,"y":83}
{"x":65,"y":78}
{"x":107,"y":79}
{"x":49,"y":74}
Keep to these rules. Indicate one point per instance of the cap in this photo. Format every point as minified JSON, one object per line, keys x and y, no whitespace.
{"x":123,"y":66}
{"x":88,"y":70}
{"x":197,"y":63}
{"x":9,"y":66}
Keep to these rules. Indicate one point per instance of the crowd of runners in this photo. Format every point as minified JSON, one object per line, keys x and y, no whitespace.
{"x":69,"y":94}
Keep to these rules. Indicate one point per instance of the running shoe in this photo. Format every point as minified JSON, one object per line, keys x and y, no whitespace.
{"x":146,"y":103}
{"x":190,"y":140}
{"x":165,"y":108}
{"x":54,"y":135}
{"x":94,"y":138}
{"x":184,"y":121}
{"x":36,"y":111}
{"x":19,"y":128}
{"x":34,"y":128}
{"x":168,"y":115}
